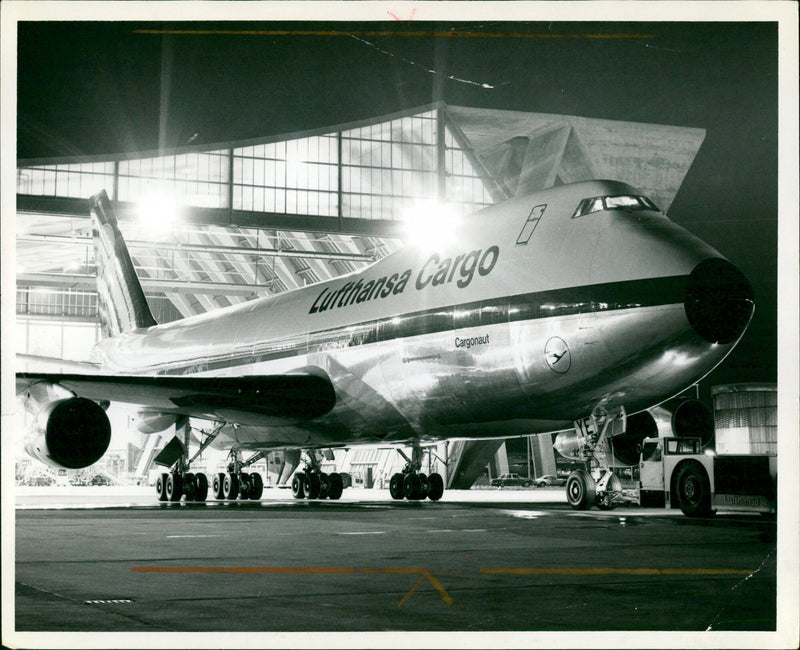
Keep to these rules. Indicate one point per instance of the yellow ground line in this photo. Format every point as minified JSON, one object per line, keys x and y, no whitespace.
{"x":424,"y":574}
{"x":609,"y":571}
{"x":411,"y":592}
{"x":423,"y":33}
{"x":279,"y":569}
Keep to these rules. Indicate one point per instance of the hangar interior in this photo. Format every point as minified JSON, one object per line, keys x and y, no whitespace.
{"x":213,"y":226}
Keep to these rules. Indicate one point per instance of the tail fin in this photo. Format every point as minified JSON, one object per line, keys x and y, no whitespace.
{"x":122,"y":304}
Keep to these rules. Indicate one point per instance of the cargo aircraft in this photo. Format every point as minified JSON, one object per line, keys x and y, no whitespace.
{"x":573,"y":309}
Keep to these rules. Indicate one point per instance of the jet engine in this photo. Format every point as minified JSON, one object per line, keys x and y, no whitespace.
{"x":72,"y":433}
{"x":679,"y":418}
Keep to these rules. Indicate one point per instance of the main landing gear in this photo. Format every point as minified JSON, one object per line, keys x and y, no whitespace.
{"x":412,"y":484}
{"x":596,"y":485}
{"x":179,"y":481}
{"x":313,"y":483}
{"x":238,"y":483}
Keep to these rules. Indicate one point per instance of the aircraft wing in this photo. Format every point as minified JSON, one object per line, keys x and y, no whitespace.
{"x":265,"y":399}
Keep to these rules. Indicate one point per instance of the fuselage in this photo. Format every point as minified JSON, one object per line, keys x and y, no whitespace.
{"x":533,"y":313}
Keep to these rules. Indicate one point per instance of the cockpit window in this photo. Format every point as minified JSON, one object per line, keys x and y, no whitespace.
{"x":617,"y":202}
{"x":621,"y":202}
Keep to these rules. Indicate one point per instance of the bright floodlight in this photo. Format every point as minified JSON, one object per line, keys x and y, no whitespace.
{"x":429,"y":224}
{"x":158,"y":213}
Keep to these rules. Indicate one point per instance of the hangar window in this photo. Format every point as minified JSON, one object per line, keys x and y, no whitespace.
{"x":622,"y":202}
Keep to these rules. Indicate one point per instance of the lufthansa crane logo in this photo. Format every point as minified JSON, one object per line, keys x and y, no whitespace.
{"x":557,"y":355}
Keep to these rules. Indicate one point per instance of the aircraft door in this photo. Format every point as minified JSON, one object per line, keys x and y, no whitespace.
{"x":651,"y":466}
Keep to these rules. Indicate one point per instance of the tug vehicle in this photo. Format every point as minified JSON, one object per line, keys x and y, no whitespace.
{"x":676,"y":472}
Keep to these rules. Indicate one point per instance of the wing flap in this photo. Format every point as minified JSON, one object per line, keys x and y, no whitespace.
{"x":293,"y":396}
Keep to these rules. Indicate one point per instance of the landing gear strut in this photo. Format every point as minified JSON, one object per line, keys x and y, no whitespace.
{"x":597,"y":484}
{"x":313,"y":483}
{"x":238,"y":483}
{"x":412,"y":484}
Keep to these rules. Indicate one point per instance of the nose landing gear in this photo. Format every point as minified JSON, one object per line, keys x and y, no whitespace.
{"x":599,"y":485}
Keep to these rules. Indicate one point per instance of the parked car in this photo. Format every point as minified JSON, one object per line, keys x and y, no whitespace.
{"x":549,"y":479}
{"x":510,"y":479}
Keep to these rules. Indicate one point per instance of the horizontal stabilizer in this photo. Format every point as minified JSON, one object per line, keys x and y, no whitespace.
{"x":38,"y":363}
{"x":266,"y":399}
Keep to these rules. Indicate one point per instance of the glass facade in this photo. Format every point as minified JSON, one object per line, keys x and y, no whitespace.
{"x":386,"y":167}
{"x":464,"y":186}
{"x":79,"y":180}
{"x":370,"y":172}
{"x":65,"y":302}
{"x":292,"y":177}
{"x":196,"y":179}
{"x":58,"y":340}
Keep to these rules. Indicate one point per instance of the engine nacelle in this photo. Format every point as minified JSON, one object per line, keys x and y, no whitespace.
{"x":72,"y":433}
{"x":626,"y":445}
{"x":679,"y":418}
{"x":690,"y":417}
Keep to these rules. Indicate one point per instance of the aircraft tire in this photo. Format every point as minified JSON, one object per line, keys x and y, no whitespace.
{"x":435,"y":486}
{"x":298,"y":488}
{"x":693,"y":490}
{"x":189,"y":486}
{"x":396,"y":486}
{"x":219,"y":481}
{"x":244,"y":486}
{"x":411,"y":486}
{"x":174,"y":487}
{"x":230,"y":486}
{"x":580,"y":490}
{"x":424,"y":486}
{"x":200,"y":487}
{"x":161,"y":487}
{"x":337,"y":486}
{"x":324,"y":485}
{"x":256,"y":486}
{"x":312,"y":486}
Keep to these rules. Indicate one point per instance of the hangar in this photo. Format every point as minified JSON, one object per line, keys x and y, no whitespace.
{"x":216,"y":225}
{"x":245,"y":232}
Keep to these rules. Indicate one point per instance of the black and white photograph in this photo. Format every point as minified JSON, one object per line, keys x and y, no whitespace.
{"x":416,"y":324}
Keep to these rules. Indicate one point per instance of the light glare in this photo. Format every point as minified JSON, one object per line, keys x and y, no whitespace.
{"x":158,"y":213}
{"x":430,"y":224}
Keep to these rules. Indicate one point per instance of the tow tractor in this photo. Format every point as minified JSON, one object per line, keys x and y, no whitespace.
{"x":676,"y":472}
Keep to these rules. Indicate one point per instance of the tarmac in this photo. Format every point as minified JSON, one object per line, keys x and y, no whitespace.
{"x":493,"y":561}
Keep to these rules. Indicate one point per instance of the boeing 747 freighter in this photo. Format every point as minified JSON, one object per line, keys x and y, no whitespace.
{"x":570,"y":309}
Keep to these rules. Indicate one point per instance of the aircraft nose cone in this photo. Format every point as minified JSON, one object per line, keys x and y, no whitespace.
{"x":719,"y":301}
